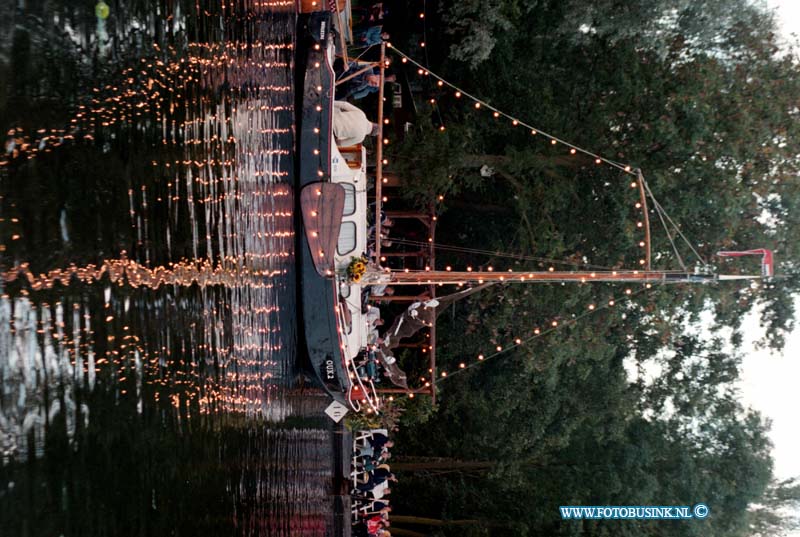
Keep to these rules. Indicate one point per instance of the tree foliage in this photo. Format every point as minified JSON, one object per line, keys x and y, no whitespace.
{"x":699,"y":95}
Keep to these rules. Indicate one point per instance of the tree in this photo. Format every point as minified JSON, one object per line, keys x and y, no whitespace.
{"x":701,"y":101}
{"x":774,"y":514}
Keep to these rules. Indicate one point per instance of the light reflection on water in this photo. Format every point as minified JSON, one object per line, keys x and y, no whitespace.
{"x":147,"y":317}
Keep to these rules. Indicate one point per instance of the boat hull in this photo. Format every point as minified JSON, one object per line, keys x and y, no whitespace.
{"x":318,"y":294}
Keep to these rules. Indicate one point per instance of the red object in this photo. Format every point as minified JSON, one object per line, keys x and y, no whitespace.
{"x":767,"y":266}
{"x":374,"y":524}
{"x":356,"y":394}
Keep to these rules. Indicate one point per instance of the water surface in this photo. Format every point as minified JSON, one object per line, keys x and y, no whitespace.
{"x":148,"y":377}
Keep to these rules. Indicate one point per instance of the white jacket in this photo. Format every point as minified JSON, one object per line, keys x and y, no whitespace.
{"x":350,"y":124}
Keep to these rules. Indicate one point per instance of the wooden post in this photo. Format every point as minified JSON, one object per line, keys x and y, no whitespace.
{"x":432,"y":357}
{"x":396,"y":298}
{"x":379,"y":157}
{"x":344,"y":32}
{"x":401,"y":390}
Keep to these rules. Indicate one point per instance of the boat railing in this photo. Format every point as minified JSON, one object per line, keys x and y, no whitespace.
{"x":368,"y":389}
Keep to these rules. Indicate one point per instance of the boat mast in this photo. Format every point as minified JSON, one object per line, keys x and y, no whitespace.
{"x":442,"y":277}
{"x":446,"y":277}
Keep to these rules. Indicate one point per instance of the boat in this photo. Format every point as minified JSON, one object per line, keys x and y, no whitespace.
{"x":332,"y":223}
{"x":331,"y":216}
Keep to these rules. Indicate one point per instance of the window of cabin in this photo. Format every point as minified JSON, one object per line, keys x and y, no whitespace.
{"x":349,"y":199}
{"x":347,"y":238}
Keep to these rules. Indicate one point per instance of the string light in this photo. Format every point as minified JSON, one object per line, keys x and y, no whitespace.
{"x":554,"y":325}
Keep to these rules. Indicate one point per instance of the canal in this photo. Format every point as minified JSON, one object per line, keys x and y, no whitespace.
{"x":149,"y":379}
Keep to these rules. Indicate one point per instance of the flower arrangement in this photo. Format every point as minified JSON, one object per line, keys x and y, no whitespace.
{"x":356,"y":269}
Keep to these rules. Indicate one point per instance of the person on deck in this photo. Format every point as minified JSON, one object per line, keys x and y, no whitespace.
{"x":382,"y":290}
{"x":370,"y":367}
{"x":376,"y":523}
{"x":374,"y":337}
{"x":378,"y":511}
{"x":350,"y":124}
{"x":380,"y":491}
{"x":362,"y":84}
{"x":379,"y":440}
{"x":373,"y":315}
{"x":368,"y":464}
{"x":366,"y":451}
{"x":368,"y":15}
{"x":383,"y":472}
{"x":372,"y":35}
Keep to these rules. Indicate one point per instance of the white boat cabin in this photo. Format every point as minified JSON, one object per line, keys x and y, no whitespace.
{"x":349,"y":169}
